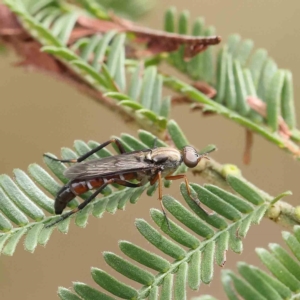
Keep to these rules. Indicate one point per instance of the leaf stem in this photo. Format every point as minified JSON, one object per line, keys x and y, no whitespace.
{"x":197,"y":96}
{"x":278,"y":211}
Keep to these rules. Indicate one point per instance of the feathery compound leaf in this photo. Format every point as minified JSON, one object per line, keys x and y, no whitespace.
{"x":254,"y":283}
{"x":240,"y":76}
{"x":32,"y":200}
{"x":191,"y":267}
{"x":92,"y":53}
{"x":232,"y":216}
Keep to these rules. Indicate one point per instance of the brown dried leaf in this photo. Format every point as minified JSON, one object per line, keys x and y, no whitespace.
{"x":157,"y":41}
{"x":9,"y":24}
{"x":15,"y":37}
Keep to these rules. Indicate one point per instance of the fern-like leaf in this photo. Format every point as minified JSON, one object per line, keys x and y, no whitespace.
{"x":192,"y":242}
{"x":99,"y":60}
{"x":254,"y":283}
{"x":240,"y":76}
{"x":24,"y":198}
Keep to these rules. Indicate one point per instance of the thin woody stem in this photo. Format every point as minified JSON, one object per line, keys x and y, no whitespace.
{"x":279,"y":212}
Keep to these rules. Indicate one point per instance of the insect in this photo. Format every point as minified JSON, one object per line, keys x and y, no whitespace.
{"x":130,"y":169}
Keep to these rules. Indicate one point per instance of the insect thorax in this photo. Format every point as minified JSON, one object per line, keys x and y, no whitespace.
{"x":165,"y":159}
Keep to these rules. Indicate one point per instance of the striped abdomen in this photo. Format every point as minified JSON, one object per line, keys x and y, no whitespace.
{"x":76,"y":188}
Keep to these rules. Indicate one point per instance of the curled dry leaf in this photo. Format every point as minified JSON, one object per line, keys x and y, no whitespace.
{"x":157,"y":41}
{"x":13,"y":35}
{"x":8,"y":22}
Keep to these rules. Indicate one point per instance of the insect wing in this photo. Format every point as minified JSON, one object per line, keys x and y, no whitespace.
{"x":118,"y":164}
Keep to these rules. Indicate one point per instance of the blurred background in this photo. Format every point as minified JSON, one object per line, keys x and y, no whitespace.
{"x":40,"y":114}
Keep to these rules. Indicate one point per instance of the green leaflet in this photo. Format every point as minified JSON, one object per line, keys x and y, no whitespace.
{"x":113,"y":285}
{"x":89,"y":293}
{"x":34,"y":200}
{"x":128,"y":269}
{"x":238,"y":69}
{"x":239,"y":73}
{"x":253,"y":283}
{"x":112,"y":79}
{"x":191,"y":267}
{"x":86,"y":58}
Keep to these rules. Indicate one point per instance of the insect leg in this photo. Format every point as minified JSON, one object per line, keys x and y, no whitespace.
{"x":93,"y":196}
{"x":160,"y":195}
{"x":174,"y":177}
{"x":196,"y":200}
{"x":91,"y":152}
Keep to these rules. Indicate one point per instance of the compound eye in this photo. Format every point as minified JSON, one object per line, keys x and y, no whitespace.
{"x":190,"y":157}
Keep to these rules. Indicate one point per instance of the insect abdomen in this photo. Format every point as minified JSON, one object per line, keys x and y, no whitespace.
{"x":64,"y":196}
{"x":70,"y":191}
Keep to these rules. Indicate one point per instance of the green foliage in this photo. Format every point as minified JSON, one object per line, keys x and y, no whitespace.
{"x":209,"y":236}
{"x":254,"y":283}
{"x":24,"y":198}
{"x":238,"y":72}
{"x":195,"y":238}
{"x":131,"y":9}
{"x":201,"y":67}
{"x":100,"y":61}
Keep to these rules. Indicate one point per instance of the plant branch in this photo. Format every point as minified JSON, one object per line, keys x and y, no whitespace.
{"x":279,"y":211}
{"x":195,"y":95}
{"x":13,"y":35}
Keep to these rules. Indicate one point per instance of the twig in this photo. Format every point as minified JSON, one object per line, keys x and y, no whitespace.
{"x":279,"y":211}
